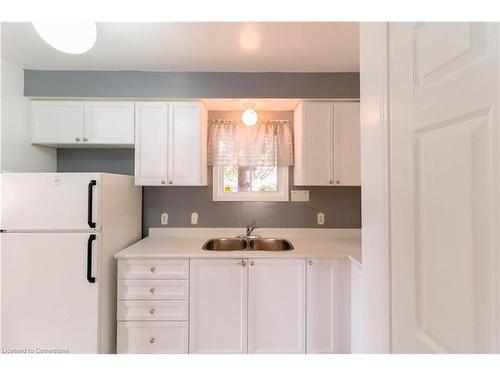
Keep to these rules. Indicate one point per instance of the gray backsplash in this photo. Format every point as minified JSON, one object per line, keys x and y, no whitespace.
{"x":341,"y":205}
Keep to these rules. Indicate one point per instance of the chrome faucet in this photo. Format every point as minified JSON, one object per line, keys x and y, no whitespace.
{"x":250,"y":229}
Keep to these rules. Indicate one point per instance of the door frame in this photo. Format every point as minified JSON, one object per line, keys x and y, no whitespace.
{"x":375,"y":187}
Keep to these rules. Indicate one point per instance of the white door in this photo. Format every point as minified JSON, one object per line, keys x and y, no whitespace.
{"x":218,"y":306}
{"x":328,"y":309}
{"x":313,"y":128}
{"x":50,"y":201}
{"x":57,"y":121}
{"x":151,"y":139}
{"x":109,"y":123}
{"x":347,"y":144}
{"x":185,"y":146}
{"x":276,"y":305}
{"x":444,"y":89}
{"x":47,"y":300}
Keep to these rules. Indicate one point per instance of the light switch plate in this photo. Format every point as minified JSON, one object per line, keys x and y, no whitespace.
{"x":164,"y":218}
{"x":299,"y":195}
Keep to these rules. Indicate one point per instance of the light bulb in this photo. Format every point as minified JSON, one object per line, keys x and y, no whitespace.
{"x":249,"y":117}
{"x":68,"y":37}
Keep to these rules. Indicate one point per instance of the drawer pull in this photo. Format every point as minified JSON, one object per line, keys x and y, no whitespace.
{"x":152,"y":340}
{"x":152,"y":311}
{"x":152,"y":290}
{"x":153,"y":269}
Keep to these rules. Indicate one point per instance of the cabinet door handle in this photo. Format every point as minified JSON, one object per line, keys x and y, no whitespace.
{"x":252,"y":263}
{"x":90,"y":278}
{"x":310,"y":262}
{"x":242,"y":263}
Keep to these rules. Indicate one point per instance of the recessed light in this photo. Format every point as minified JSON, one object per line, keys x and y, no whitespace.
{"x":68,"y":37}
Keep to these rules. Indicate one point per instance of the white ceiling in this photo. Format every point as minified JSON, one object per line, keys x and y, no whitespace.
{"x":216,"y":47}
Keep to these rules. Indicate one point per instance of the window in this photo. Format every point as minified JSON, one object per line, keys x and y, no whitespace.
{"x":250,"y":183}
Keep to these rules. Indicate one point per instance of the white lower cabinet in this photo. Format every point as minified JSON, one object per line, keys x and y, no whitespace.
{"x":152,"y":306}
{"x":356,"y":298}
{"x":328,"y":306}
{"x":255,"y":305}
{"x":152,"y":337}
{"x":218,"y":306}
{"x":276,"y":305}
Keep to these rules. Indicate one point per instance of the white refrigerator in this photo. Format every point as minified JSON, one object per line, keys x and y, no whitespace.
{"x":59,"y":232}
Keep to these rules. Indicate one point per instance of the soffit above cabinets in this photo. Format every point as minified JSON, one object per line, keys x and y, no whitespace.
{"x":195,"y":46}
{"x":260,"y":104}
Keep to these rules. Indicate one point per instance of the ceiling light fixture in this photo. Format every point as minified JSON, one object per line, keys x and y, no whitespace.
{"x":68,"y":37}
{"x":249,"y":116}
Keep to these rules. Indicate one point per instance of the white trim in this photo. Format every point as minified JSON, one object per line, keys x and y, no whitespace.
{"x":280,"y":196}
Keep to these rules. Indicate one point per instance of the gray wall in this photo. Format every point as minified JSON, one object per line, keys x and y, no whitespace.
{"x":43,"y":83}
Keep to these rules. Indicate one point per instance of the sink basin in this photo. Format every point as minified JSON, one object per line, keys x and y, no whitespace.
{"x":270,"y":244}
{"x":256,"y":244}
{"x":225,"y":244}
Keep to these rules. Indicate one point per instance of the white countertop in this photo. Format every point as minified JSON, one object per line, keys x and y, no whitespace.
{"x":188,"y":242}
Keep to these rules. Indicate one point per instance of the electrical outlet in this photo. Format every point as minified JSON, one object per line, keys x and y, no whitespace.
{"x":321,"y":218}
{"x":194,"y":218}
{"x":164,"y":218}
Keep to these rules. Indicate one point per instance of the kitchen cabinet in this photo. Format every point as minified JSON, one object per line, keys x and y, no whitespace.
{"x":109,"y":123}
{"x":276,"y":305}
{"x":356,"y":297}
{"x":328,"y":306}
{"x":327,"y":144}
{"x":152,"y":306}
{"x":170,"y":144}
{"x":57,"y":122}
{"x":76,"y":123}
{"x":218,"y":306}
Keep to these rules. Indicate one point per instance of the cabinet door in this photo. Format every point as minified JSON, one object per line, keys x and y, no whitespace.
{"x":218,"y":306}
{"x":328,"y":306}
{"x":313,"y":128}
{"x":57,"y":121}
{"x":276,"y":300}
{"x":347,"y":144}
{"x":109,"y":123}
{"x":356,"y":296}
{"x":187,"y":144}
{"x":151,"y":143}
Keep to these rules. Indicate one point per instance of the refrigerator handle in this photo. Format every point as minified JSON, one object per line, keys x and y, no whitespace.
{"x":90,"y":278}
{"x":92,"y":183}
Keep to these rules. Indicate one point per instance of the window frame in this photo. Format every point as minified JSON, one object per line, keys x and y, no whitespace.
{"x":282,"y":195}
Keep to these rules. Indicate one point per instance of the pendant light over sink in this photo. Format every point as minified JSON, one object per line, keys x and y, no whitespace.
{"x":68,"y":37}
{"x":249,"y":116}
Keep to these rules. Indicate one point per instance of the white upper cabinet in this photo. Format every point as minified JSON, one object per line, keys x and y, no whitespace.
{"x":327,"y":144}
{"x":109,"y":123}
{"x":151,"y":132}
{"x":218,"y":306}
{"x":276,"y":305}
{"x":82,"y":123}
{"x":347,"y":144}
{"x":170,"y":143}
{"x":57,"y":121}
{"x":187,"y":164}
{"x":313,"y":135}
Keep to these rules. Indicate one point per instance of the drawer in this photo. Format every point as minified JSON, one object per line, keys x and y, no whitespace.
{"x":152,"y":310}
{"x":153,"y":269}
{"x":152,"y":289}
{"x":152,"y":337}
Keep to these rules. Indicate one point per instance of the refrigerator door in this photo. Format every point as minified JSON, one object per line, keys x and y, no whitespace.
{"x":50,"y":201}
{"x":48,"y":299}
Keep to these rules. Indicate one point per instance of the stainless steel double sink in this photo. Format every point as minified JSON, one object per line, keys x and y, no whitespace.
{"x":250,"y":244}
